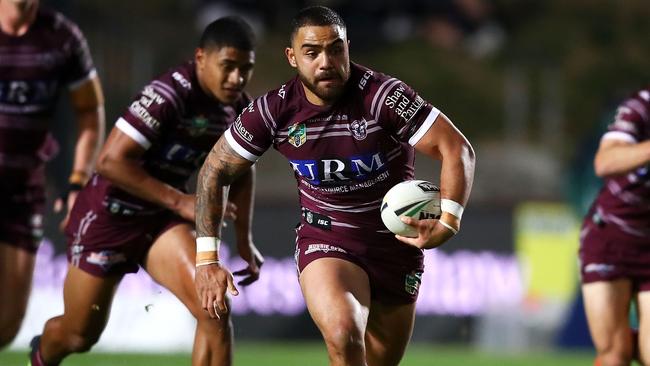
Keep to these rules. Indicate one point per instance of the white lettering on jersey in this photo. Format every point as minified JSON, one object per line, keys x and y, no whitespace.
{"x":281,"y":92}
{"x":243,"y":132}
{"x":327,"y":170}
{"x":181,"y":80}
{"x":359,"y":164}
{"x":364,"y":79}
{"x":141,"y":112}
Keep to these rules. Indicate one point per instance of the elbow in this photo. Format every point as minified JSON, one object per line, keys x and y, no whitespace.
{"x":602,"y":167}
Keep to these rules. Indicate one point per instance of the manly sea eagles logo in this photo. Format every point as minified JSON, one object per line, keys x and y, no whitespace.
{"x":297,"y":134}
{"x":359,"y":129}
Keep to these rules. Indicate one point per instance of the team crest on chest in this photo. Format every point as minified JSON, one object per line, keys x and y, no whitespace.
{"x":359,"y":129}
{"x":198,"y":125}
{"x":298,"y":134}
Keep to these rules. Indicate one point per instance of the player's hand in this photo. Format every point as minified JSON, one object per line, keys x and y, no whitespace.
{"x":211,"y":282}
{"x":431,"y":233}
{"x":254,"y":258}
{"x":231,"y":213}
{"x":65,"y":202}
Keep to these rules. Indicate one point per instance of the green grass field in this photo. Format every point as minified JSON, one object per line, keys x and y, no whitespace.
{"x":313,"y":354}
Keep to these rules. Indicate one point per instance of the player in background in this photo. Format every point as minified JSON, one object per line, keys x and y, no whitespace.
{"x":615,"y":238}
{"x":135,"y":210}
{"x":349,"y":134}
{"x":42,"y":55}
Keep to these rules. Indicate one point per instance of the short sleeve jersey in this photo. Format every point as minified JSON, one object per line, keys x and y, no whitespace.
{"x":344,"y":157}
{"x":625,"y":200}
{"x":34,"y":68}
{"x":177,"y":124}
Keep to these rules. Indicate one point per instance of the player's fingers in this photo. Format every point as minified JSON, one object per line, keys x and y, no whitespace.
{"x":231,"y":286}
{"x":58,"y":205}
{"x":407,"y":240}
{"x":242,"y":272}
{"x":409,"y":220}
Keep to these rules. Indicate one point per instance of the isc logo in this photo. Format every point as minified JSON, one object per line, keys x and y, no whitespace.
{"x":327,"y":171}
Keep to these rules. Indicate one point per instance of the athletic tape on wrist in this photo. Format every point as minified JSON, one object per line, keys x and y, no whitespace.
{"x":207,"y":250}
{"x":449,"y":227}
{"x":451,"y":207}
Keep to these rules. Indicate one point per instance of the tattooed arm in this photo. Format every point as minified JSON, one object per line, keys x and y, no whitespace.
{"x":222,"y":167}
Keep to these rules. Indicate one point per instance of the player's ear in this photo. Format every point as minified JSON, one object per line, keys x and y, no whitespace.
{"x":291,"y":56}
{"x":199,"y":56}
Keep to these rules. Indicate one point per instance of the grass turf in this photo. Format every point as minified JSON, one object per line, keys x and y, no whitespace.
{"x":313,"y":354}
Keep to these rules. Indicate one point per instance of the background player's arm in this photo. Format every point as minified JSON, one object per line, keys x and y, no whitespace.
{"x":88,"y":104}
{"x":616,"y":157}
{"x":222,"y":167}
{"x":120,"y":161}
{"x":443,"y":141}
{"x":242,"y":194}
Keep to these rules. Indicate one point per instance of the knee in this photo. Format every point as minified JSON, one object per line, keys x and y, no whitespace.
{"x":345,"y":338}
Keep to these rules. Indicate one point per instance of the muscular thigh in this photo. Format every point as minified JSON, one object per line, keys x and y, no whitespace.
{"x":337,"y":294}
{"x":607,"y":306}
{"x":16,"y":269}
{"x":388,"y":332}
{"x":170,"y":261}
{"x":643,"y":304}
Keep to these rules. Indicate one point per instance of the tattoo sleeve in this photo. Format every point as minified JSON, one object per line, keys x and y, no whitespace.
{"x":222,"y":167}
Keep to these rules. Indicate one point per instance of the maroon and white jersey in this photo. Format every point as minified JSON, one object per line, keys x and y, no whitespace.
{"x":34,"y":68}
{"x":344,"y":157}
{"x":625,"y":200}
{"x":177,"y":124}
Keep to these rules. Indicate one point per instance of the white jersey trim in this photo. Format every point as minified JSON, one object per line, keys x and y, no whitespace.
{"x":428,"y":122}
{"x":238,"y":148}
{"x":619,"y":135}
{"x":77,"y":83}
{"x":124,"y":126}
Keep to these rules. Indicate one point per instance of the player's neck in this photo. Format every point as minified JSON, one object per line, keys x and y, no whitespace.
{"x":15,"y":21}
{"x":315,"y":99}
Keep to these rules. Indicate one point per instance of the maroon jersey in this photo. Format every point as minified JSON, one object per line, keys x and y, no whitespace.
{"x":34,"y":68}
{"x":344,"y":157}
{"x":625,"y":200}
{"x":177,"y":123}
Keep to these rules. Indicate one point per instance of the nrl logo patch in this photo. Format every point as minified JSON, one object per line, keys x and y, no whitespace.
{"x":412,"y":282}
{"x":359,"y":129}
{"x":198,"y":125}
{"x":298,"y":134}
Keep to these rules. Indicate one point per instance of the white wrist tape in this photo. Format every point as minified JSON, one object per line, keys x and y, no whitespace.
{"x":207,"y":244}
{"x":451,"y":207}
{"x":449,"y":227}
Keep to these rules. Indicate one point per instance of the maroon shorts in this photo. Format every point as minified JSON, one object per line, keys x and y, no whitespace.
{"x":21,"y":216}
{"x":394,"y":268}
{"x":607,"y":253}
{"x":104,"y":244}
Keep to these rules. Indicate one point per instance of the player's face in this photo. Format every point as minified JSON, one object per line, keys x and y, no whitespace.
{"x":224,"y":72}
{"x":320,"y":55}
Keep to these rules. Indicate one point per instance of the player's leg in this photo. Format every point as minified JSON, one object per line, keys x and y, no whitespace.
{"x":171,"y":262}
{"x":87,"y":302}
{"x":388,"y":333}
{"x":337,"y":294}
{"x":643,"y":307}
{"x":16,"y":271}
{"x":607,"y":305}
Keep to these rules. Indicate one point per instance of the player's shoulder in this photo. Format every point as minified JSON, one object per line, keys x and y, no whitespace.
{"x":367,"y":81}
{"x":278,"y":103}
{"x":55,"y":21}
{"x":178,"y":81}
{"x":637,"y":103}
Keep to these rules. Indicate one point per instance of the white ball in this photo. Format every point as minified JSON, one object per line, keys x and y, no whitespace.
{"x":413,"y":198}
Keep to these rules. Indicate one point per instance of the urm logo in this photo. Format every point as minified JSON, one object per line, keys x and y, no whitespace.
{"x":330,"y":171}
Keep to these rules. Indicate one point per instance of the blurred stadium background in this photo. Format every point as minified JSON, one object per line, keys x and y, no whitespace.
{"x":531,"y":83}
